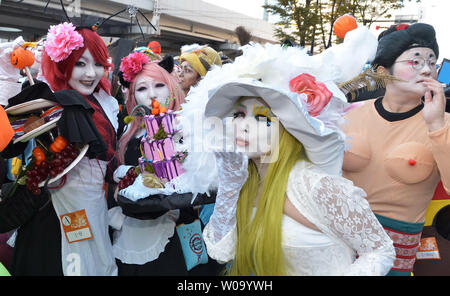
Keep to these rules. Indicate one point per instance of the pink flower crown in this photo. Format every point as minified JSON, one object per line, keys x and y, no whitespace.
{"x":61,"y":41}
{"x":132,"y":64}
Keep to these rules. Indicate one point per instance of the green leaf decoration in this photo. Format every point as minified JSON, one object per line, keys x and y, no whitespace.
{"x":22,"y":180}
{"x":137,"y":170}
{"x":128,"y":119}
{"x":149,"y":168}
{"x":161,"y":134}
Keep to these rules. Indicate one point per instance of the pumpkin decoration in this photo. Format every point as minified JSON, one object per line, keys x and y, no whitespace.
{"x":58,"y":145}
{"x":155,"y":111}
{"x":39,"y":154}
{"x":21,"y":58}
{"x":344,"y":24}
{"x":158,"y":108}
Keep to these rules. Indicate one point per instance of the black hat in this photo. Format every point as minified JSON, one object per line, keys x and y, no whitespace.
{"x":397,"y":39}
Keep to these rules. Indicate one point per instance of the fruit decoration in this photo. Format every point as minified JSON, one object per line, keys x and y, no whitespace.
{"x":129,"y":178}
{"x":47,"y":164}
{"x":58,"y":145}
{"x":39,"y":155}
{"x":157,"y":108}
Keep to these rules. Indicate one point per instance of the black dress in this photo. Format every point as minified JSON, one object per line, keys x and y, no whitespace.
{"x":171,"y":261}
{"x":37,"y":248}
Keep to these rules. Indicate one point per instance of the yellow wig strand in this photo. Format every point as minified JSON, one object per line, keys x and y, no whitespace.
{"x":258,"y":248}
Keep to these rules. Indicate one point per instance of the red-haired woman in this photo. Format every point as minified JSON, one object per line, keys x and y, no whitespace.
{"x":73,"y":63}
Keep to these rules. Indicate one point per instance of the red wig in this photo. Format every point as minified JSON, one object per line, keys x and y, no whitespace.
{"x":58,"y":74}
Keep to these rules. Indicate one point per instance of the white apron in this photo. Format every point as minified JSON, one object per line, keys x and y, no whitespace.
{"x":84,"y":190}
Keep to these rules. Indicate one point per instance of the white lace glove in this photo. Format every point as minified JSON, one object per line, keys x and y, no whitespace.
{"x":7,"y":71}
{"x":121,"y":172}
{"x":232,"y":172}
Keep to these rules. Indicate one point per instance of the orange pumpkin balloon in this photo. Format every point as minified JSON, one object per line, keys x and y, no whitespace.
{"x":21,"y":58}
{"x":344,"y":24}
{"x":6,"y":131}
{"x":155,"y":46}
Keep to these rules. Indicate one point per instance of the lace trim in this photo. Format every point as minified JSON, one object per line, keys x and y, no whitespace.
{"x":224,"y":250}
{"x":142,"y":257}
{"x":157,"y":243}
{"x":180,"y":184}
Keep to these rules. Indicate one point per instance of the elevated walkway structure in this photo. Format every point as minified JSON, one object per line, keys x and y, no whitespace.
{"x":177,"y":22}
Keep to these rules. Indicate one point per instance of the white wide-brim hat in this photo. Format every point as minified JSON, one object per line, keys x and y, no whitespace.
{"x":324,"y":145}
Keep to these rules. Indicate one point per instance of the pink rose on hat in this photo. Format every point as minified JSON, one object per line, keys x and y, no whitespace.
{"x":317,"y":93}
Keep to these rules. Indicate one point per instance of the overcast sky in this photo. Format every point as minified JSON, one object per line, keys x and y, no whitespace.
{"x":251,"y":8}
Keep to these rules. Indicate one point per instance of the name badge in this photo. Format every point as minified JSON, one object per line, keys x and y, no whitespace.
{"x":428,"y":249}
{"x":76,"y":226}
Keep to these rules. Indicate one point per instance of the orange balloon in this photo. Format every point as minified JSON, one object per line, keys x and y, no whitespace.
{"x":155,"y":111}
{"x":21,"y":58}
{"x":344,"y":24}
{"x":163,"y":109}
{"x":155,"y":46}
{"x":6,"y":131}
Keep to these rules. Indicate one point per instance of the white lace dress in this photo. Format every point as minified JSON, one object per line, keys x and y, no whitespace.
{"x":351,"y":241}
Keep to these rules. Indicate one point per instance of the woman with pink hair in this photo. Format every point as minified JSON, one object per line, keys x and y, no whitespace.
{"x":146,"y":80}
{"x":144,"y":240}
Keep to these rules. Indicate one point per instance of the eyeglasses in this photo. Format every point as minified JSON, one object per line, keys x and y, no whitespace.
{"x":418,"y":63}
